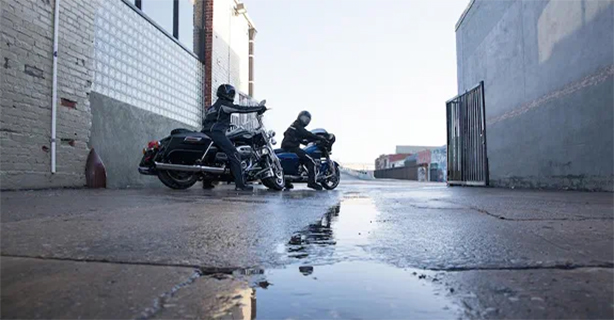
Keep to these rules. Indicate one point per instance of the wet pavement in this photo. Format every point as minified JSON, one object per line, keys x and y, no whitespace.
{"x":369,"y":250}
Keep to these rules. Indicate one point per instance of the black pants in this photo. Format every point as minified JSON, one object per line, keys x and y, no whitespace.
{"x":221,"y":141}
{"x":307,"y":161}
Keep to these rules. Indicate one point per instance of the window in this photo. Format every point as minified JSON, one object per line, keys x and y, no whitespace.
{"x":179,"y":24}
{"x":186,"y":23}
{"x":160,"y":11}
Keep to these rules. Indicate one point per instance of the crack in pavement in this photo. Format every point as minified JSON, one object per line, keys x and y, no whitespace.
{"x":136,"y":263}
{"x":205,"y":271}
{"x":158,"y":303}
{"x":484,"y":211}
{"x":500,"y":217}
{"x":568,"y":266}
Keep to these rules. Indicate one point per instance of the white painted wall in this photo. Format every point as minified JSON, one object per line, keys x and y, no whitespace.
{"x":230,"y":56}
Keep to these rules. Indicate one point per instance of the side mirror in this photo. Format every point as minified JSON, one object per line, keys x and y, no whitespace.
{"x":263,"y":102}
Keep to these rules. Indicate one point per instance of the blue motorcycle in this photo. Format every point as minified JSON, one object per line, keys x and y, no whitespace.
{"x":328,"y":174}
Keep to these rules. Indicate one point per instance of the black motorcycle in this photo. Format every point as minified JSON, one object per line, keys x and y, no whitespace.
{"x":186,"y":157}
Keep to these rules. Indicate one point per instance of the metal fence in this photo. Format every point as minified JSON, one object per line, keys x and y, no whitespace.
{"x":466,"y":126}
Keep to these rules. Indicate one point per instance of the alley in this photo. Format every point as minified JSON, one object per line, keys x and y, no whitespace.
{"x":370,"y":249}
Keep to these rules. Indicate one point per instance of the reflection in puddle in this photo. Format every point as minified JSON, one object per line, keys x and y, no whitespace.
{"x":331,"y":275}
{"x":356,"y":290}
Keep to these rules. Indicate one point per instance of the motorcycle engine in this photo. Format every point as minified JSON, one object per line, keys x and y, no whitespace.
{"x":245,"y":151}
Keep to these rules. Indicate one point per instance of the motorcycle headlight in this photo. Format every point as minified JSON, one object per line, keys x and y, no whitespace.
{"x":265,"y":151}
{"x":273,"y":141}
{"x":271,"y":133}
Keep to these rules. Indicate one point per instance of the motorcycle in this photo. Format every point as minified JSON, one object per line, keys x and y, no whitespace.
{"x":327,"y":171}
{"x":186,"y":157}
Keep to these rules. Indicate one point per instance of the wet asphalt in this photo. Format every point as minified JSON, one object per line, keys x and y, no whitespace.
{"x":368,"y":250}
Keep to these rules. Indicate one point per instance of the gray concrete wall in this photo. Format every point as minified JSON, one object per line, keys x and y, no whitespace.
{"x":548,"y":70}
{"x":119,"y":134}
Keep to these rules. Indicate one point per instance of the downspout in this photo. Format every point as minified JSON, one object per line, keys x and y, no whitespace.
{"x":252,"y":36}
{"x":54,"y":86}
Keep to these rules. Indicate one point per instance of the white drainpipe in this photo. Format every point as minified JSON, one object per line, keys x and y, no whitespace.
{"x":54,"y":90}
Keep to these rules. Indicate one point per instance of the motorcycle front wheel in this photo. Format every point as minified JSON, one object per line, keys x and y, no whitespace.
{"x":277,"y":182}
{"x":332,"y":182}
{"x":177,"y":180}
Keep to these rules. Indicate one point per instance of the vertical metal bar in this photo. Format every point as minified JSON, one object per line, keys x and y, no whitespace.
{"x":463,"y":111}
{"x":176,"y":19}
{"x":448,"y":140}
{"x":468,"y":137}
{"x":477,"y":137}
{"x":474,"y":138}
{"x":486,"y":173}
{"x":470,"y":134}
{"x":138,"y":4}
{"x":460,"y":140}
{"x":480,"y":137}
{"x":475,"y":163}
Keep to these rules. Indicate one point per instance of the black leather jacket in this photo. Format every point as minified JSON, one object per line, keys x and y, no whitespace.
{"x":217,"y":117}
{"x":295,"y":134}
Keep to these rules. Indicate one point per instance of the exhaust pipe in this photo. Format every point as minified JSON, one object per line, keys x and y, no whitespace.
{"x":181,"y":167}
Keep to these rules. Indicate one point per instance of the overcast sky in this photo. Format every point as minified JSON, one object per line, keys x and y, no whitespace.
{"x":376,"y":73}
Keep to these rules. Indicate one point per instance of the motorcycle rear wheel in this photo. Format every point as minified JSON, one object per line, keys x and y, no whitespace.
{"x":177,"y":180}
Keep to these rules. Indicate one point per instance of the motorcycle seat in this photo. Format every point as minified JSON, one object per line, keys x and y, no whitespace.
{"x":182,"y":130}
{"x":191,"y":133}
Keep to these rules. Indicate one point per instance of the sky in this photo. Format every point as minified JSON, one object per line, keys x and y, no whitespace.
{"x":376,"y":73}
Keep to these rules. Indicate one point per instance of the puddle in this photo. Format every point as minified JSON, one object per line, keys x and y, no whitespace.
{"x":350,"y":290}
{"x":330,"y":274}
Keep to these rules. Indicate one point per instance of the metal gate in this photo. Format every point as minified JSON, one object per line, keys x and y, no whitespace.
{"x":466,"y":123}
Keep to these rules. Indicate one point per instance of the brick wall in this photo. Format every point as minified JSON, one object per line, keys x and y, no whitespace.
{"x":25,"y":118}
{"x":208,"y":39}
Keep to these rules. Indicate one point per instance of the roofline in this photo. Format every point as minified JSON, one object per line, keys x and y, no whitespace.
{"x":464,"y":14}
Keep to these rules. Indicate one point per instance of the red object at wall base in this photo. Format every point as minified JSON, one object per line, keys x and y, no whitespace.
{"x":95,"y":172}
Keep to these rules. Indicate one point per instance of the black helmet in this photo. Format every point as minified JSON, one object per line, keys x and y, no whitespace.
{"x":226,"y":92}
{"x":304,"y":117}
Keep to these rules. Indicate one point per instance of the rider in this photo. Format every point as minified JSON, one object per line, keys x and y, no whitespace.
{"x":293,"y":138}
{"x":215,"y":125}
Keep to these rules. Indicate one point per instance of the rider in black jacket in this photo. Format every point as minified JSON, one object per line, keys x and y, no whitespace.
{"x":293,"y":138}
{"x":217,"y":122}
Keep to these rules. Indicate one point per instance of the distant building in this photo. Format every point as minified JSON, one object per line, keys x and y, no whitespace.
{"x":413,"y":149}
{"x":427,"y":164}
{"x":388,"y":161}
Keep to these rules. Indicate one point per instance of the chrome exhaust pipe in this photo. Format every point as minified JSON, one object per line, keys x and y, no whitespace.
{"x":182,"y":167}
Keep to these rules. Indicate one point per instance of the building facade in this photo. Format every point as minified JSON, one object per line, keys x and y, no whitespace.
{"x":548,"y":70}
{"x":128,"y":71}
{"x":413,"y":149}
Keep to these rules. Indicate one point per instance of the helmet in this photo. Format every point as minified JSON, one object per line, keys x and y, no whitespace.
{"x":226,"y":92}
{"x":304,"y":117}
